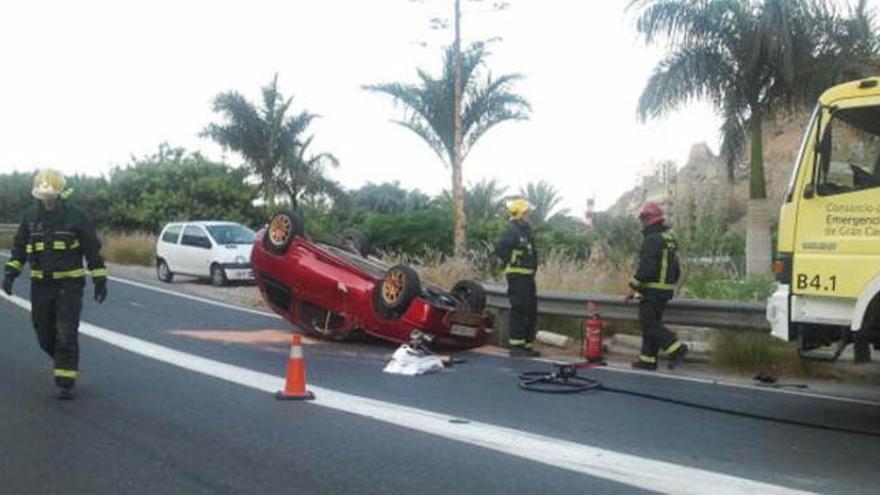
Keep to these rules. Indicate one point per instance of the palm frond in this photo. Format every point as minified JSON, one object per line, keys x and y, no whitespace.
{"x":545,"y":199}
{"x":706,"y":22}
{"x":428,"y":108}
{"x":685,"y":75}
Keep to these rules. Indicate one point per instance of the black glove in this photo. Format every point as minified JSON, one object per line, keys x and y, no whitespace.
{"x":7,"y":283}
{"x":100,"y":289}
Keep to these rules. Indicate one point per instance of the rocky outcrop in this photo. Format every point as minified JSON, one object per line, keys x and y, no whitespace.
{"x":701,"y":187}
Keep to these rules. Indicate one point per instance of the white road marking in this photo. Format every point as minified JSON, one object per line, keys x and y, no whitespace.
{"x":613,"y":368}
{"x":627,"y":469}
{"x":195,"y":298}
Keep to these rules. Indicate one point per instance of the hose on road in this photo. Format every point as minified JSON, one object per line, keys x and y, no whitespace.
{"x":566,"y":380}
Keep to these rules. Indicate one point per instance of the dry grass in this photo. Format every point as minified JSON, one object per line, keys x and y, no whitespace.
{"x":558,"y":272}
{"x":441,"y":270}
{"x":598,"y":274}
{"x":137,"y":248}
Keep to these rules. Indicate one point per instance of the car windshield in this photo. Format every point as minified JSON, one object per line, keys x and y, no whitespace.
{"x":231,"y":234}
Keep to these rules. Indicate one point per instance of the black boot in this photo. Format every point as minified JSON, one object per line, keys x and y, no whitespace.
{"x":65,"y":392}
{"x":677,"y":357}
{"x":644,"y":362}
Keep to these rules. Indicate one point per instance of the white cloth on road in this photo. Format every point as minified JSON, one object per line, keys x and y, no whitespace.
{"x":411,"y":362}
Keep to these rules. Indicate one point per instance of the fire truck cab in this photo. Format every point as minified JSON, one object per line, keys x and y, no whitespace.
{"x":828,"y":257}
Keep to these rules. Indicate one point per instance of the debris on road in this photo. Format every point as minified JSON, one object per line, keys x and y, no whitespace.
{"x":410,"y":362}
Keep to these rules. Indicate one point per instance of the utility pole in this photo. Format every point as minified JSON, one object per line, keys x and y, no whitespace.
{"x":457,"y":179}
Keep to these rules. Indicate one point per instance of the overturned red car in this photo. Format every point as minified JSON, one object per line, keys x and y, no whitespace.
{"x":333,"y":289}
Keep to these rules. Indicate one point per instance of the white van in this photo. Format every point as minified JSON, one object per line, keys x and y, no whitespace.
{"x":219,"y":251}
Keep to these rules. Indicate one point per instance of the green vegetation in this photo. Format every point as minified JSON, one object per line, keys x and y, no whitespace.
{"x":717,"y":283}
{"x":174,"y":185}
{"x":273,"y":142}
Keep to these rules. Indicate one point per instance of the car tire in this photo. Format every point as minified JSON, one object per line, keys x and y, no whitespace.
{"x":356,"y":242}
{"x":472,"y":293}
{"x":282,"y":229}
{"x":397,"y":289}
{"x":163,"y":272}
{"x":218,"y":276}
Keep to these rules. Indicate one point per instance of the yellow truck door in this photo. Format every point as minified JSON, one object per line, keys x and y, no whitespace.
{"x":837,"y":240}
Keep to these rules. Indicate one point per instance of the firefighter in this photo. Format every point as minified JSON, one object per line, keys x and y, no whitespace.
{"x":516,"y":249}
{"x":54,"y":237}
{"x":655,"y":281}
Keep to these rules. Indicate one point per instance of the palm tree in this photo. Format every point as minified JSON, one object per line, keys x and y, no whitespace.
{"x":750,"y":58}
{"x":428,"y":112}
{"x":484,"y":200}
{"x":387,"y":197}
{"x":545,"y":199}
{"x":264,"y":136}
{"x":301,"y":174}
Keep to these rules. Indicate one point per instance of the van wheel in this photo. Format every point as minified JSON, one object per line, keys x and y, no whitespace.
{"x":218,"y":276}
{"x":163,"y":272}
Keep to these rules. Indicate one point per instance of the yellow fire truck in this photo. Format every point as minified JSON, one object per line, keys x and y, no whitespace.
{"x":828,"y":261}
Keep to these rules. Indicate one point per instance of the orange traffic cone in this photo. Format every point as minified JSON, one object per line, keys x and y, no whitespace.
{"x":295,"y":387}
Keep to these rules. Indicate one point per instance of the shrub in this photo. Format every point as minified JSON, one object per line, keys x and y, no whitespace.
{"x":718,"y":283}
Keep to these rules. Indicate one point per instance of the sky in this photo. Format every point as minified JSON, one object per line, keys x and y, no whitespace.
{"x":86,"y":85}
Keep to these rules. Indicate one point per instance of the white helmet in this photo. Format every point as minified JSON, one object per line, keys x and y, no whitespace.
{"x":48,"y":184}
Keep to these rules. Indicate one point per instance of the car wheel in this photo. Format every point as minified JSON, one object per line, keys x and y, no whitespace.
{"x":398,"y":288}
{"x":163,"y":272}
{"x":218,"y":276}
{"x":356,"y":242}
{"x":472,"y":293}
{"x":283,"y":227}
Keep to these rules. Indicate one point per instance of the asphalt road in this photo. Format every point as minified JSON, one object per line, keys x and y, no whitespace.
{"x":140,"y":425}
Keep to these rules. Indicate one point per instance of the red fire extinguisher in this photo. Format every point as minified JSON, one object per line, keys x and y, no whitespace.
{"x":593,"y":335}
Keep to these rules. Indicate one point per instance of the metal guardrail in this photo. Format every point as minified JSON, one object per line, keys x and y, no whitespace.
{"x":8,"y":227}
{"x":734,"y":315}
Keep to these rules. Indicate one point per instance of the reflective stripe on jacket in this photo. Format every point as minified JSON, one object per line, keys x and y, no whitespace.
{"x":516,"y":249}
{"x":55,"y":242}
{"x":658,"y":260}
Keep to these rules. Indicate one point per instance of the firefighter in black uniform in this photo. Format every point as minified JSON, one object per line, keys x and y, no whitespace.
{"x":54,"y":237}
{"x":655,"y":281}
{"x":516,"y":248}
